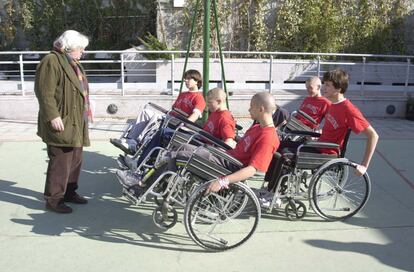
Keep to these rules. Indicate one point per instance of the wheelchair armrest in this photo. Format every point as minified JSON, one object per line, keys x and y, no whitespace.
{"x":303,"y":133}
{"x":321,"y":145}
{"x":214,"y":140}
{"x":180,"y":112}
{"x":191,"y":127}
{"x":184,"y":119}
{"x":223,"y":155}
{"x":158,"y":108}
{"x":306,"y":116}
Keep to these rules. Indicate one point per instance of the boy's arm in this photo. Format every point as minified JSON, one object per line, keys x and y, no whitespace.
{"x":372,"y":139}
{"x":194,"y":116}
{"x":230,"y":142}
{"x":237,"y":176}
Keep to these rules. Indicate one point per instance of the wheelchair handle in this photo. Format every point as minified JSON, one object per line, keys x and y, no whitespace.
{"x":304,"y":133}
{"x":304,"y":114}
{"x":158,"y":108}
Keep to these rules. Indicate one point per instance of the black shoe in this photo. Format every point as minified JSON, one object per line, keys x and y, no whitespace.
{"x":60,"y":207}
{"x":77,"y":199}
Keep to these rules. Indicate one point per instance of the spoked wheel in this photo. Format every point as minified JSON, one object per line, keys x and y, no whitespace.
{"x":222,"y":220}
{"x":165,"y":218}
{"x":295,"y":210}
{"x":336,"y":193}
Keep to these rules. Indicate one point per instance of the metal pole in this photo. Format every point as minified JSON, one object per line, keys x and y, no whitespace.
{"x":172,"y":73}
{"x":407,"y":75}
{"x":21,"y":74}
{"x":364,"y":59}
{"x":319,"y":65}
{"x":206,"y":52}
{"x":122,"y":74}
{"x":223,"y":75}
{"x":189,"y":43}
{"x":270,"y":73}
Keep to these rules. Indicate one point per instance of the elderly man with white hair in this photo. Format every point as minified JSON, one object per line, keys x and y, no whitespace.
{"x":62,"y":91}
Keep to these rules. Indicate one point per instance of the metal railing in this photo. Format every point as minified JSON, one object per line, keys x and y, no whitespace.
{"x":116,"y":69}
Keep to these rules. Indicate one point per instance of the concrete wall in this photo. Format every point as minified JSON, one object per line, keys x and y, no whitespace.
{"x":26,"y":108}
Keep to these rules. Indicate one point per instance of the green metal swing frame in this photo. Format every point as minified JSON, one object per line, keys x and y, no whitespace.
{"x":206,"y":49}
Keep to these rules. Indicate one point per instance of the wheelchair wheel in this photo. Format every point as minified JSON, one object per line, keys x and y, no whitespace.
{"x":222,"y":220}
{"x":295,"y":210}
{"x":336,"y":193}
{"x":164,"y":218}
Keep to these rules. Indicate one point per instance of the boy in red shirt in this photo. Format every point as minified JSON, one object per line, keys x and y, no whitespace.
{"x":254,"y":150}
{"x":191,"y":102}
{"x":341,"y":116}
{"x":315,"y":105}
{"x":220,"y":122}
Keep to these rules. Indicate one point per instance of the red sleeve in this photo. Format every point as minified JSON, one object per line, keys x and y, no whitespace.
{"x":357,"y":121}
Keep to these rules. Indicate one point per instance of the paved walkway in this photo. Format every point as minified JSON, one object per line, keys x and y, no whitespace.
{"x":108,"y":234}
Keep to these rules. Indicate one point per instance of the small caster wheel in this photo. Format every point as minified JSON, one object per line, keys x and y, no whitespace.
{"x":295,"y":210}
{"x":164,"y":218}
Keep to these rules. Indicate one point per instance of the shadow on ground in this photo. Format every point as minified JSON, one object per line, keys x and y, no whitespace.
{"x":107,"y":217}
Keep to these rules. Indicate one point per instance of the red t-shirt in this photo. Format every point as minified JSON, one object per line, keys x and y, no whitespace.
{"x":315,"y":107}
{"x":221,"y":125}
{"x":340,"y":117}
{"x":256,"y":147}
{"x":188,"y":101}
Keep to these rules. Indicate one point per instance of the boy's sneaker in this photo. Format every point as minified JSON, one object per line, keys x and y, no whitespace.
{"x":137,"y":190}
{"x":122,"y":144}
{"x":121,"y":162}
{"x":128,"y":178}
{"x":265,"y":199}
{"x":131,"y":163}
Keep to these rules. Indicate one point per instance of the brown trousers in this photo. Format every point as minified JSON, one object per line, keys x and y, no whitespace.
{"x":62,"y":172}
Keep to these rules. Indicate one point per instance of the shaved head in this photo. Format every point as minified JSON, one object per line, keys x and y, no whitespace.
{"x":217,"y":93}
{"x":265,"y":100}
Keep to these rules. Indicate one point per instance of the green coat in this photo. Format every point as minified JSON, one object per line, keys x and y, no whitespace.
{"x":59,"y":93}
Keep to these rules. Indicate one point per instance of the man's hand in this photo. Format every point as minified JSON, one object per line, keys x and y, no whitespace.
{"x":57,"y":124}
{"x":360,"y":170}
{"x":214,"y":187}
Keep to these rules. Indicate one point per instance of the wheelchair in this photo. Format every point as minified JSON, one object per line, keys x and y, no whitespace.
{"x":327,"y":181}
{"x":218,"y":221}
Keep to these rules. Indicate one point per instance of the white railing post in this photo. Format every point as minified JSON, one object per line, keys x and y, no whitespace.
{"x":270,"y":73}
{"x":172,"y":73}
{"x":122,"y":74}
{"x":407,"y":75}
{"x":318,"y":65}
{"x":22,"y":74}
{"x":364,"y":59}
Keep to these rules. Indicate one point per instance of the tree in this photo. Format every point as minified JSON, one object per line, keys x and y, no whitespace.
{"x":114,"y":26}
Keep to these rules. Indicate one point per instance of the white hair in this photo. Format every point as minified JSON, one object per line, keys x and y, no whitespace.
{"x":71,"y":39}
